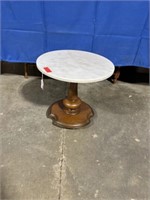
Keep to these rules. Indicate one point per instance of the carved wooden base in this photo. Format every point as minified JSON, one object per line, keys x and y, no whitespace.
{"x":70,"y":112}
{"x":60,"y":116}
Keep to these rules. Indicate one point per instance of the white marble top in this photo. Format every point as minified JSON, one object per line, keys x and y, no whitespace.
{"x":75,"y":66}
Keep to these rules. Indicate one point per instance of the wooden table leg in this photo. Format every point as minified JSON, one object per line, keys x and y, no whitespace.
{"x":116,"y":75}
{"x":70,"y":112}
{"x":25,"y":70}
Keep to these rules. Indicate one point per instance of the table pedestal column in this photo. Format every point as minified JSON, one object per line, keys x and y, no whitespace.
{"x":70,"y":112}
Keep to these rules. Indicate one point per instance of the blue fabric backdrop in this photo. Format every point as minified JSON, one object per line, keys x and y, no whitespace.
{"x":115,"y":29}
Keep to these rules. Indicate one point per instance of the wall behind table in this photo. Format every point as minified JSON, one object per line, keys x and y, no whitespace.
{"x":118,"y":30}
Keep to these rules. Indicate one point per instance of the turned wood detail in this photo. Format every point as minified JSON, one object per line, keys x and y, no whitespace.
{"x":70,"y":112}
{"x":72,"y":102}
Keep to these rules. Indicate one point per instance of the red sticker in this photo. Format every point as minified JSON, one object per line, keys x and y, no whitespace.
{"x":47,"y":69}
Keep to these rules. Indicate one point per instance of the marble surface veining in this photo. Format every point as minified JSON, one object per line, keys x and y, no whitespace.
{"x":75,"y":66}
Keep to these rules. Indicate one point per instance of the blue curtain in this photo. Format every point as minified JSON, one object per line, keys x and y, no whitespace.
{"x":118,"y":30}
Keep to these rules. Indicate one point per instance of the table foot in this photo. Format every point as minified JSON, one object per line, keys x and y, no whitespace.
{"x":63,"y":119}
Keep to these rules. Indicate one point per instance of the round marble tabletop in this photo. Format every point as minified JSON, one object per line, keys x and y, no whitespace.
{"x":75,"y":66}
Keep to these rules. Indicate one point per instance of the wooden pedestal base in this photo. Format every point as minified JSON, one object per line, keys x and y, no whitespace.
{"x":62,"y":119}
{"x":70,"y":112}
